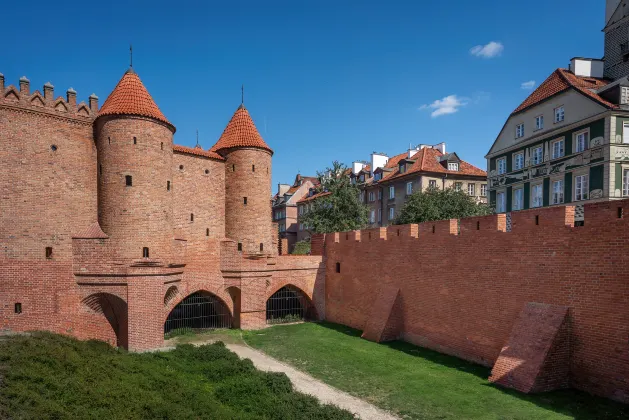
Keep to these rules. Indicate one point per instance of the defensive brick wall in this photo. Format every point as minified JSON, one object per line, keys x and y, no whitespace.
{"x":462,"y":287}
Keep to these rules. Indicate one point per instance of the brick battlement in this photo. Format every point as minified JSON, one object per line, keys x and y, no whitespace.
{"x":21,"y":98}
{"x":469,"y":288}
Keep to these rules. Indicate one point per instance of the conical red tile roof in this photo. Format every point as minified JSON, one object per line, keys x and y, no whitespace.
{"x":130,"y":97}
{"x":240,"y":132}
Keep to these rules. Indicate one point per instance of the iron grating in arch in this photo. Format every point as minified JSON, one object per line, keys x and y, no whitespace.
{"x":199,"y":311}
{"x":288,"y":304}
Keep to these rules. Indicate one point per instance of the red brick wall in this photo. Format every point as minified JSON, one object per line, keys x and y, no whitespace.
{"x":250,"y":223}
{"x":461,"y":293}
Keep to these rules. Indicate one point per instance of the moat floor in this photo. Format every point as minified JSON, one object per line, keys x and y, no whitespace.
{"x":413,"y":382}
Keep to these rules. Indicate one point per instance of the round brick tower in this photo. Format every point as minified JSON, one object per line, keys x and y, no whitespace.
{"x":134,"y":142}
{"x":247,"y":183}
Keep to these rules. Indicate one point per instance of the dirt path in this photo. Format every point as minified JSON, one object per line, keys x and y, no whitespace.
{"x":308,"y":385}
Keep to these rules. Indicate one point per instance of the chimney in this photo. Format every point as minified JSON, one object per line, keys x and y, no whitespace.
{"x":71,"y":96}
{"x":357,"y":167}
{"x":25,"y":85}
{"x":587,"y":67}
{"x":1,"y":82}
{"x":441,"y":147}
{"x":93,"y":103}
{"x":49,"y":91}
{"x":411,"y":152}
{"x":378,"y":160}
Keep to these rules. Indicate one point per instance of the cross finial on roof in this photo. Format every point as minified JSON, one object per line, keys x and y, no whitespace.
{"x":242,"y":95}
{"x":198,"y":138}
{"x":130,"y":55}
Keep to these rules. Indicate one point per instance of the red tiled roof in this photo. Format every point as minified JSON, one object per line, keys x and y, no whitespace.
{"x":426,"y":160}
{"x":240,"y":132}
{"x":314,"y":197}
{"x":130,"y":97}
{"x":561,"y":80}
{"x":197,"y":151}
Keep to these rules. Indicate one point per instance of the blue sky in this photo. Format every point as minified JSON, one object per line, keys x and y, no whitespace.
{"x":323,"y":80}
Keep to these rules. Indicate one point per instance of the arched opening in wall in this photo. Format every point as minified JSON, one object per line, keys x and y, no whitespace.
{"x":199,"y":311}
{"x":171,"y":294}
{"x":114,"y":310}
{"x":289,"y":304}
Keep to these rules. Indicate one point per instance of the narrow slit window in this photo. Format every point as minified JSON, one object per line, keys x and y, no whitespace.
{"x":207,"y":232}
{"x":167,"y":185}
{"x":433,"y":228}
{"x":49,"y":252}
{"x":620,"y":213}
{"x":128,"y":179}
{"x":477,"y":225}
{"x":244,"y":201}
{"x":398,"y":232}
{"x":261,"y":247}
{"x":161,"y":145}
{"x":145,"y":252}
{"x":233,"y":168}
{"x":18,"y":308}
{"x":253,"y":168}
{"x":536,"y":220}
{"x":109,"y":140}
{"x":135,"y":140}
{"x":239,"y":246}
{"x":338,"y":267}
{"x":192,"y":217}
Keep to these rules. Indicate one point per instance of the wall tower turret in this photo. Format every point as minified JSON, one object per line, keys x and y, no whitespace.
{"x":247,"y":183}
{"x":134,"y":141}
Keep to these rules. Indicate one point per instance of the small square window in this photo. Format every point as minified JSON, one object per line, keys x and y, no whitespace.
{"x":244,"y":200}
{"x":128,"y":179}
{"x":18,"y":308}
{"x":239,"y":246}
{"x":49,"y":252}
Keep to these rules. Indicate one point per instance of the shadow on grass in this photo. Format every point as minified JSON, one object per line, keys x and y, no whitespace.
{"x":570,"y":402}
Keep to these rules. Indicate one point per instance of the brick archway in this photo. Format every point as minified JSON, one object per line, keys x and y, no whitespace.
{"x":289,"y":303}
{"x":107,"y":317}
{"x":198,"y":311}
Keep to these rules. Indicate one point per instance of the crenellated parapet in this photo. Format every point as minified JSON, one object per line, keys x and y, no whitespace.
{"x":21,"y":99}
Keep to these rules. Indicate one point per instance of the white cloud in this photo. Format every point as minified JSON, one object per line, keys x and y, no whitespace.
{"x":528,"y":85}
{"x":491,"y":50}
{"x":448,"y":105}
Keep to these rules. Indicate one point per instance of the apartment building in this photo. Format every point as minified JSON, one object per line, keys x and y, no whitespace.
{"x":568,"y":142}
{"x":284,"y":206}
{"x":387,"y":187}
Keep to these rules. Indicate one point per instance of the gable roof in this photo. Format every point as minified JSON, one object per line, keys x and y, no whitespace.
{"x":198,"y":151}
{"x":313,"y":197}
{"x":561,"y":80}
{"x":130,"y":97}
{"x":240,"y":132}
{"x":426,"y":160}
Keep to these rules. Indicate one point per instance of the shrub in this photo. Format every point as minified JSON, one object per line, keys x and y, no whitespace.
{"x":302,"y":248}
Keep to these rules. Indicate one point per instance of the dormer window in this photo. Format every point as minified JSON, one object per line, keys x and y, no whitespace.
{"x":453,"y":166}
{"x":377,"y":176}
{"x":402,"y":168}
{"x":362,"y":178}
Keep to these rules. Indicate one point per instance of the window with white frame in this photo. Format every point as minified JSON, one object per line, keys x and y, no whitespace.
{"x":518,"y":161}
{"x":502,"y":165}
{"x":581,"y":187}
{"x":537,"y":194}
{"x":432,"y":183}
{"x":518,"y":199}
{"x":625,"y":182}
{"x":558,"y":191}
{"x":391,"y":213}
{"x":458,"y":186}
{"x":483,"y":190}
{"x":453,"y":166}
{"x":539,"y":122}
{"x":377,"y":176}
{"x":379,"y":215}
{"x":372,"y":196}
{"x":409,"y":188}
{"x":500,"y":202}
{"x":625,"y":132}
{"x":519,"y":131}
{"x":559,"y":114}
{"x":558,"y":149}
{"x":537,"y":155}
{"x":581,"y":141}
{"x":391,"y":192}
{"x":372,"y":216}
{"x":471,"y":189}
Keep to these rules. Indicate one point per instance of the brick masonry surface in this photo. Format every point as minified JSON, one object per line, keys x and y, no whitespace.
{"x":82,"y":196}
{"x":463,"y":287}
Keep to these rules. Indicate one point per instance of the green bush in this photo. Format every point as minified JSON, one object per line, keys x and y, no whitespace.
{"x":302,"y":248}
{"x":48,"y":376}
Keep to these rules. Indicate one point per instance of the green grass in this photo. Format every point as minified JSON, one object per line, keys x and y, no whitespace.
{"x":415,"y":382}
{"x":48,"y":376}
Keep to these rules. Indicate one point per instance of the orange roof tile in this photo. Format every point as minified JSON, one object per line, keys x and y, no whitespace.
{"x":240,"y":132}
{"x":313,"y":197}
{"x":197,"y":151}
{"x":130,"y":97}
{"x":561,"y":80}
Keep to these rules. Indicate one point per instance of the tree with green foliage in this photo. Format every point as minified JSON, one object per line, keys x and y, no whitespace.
{"x":437,"y":204}
{"x":340,"y":209}
{"x":301,"y":248}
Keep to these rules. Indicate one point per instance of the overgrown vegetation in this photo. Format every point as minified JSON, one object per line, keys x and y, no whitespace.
{"x":440,"y":204}
{"x":48,"y":376}
{"x":286,"y":319}
{"x":414,"y":382}
{"x":340,"y":210}
{"x":302,"y":248}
